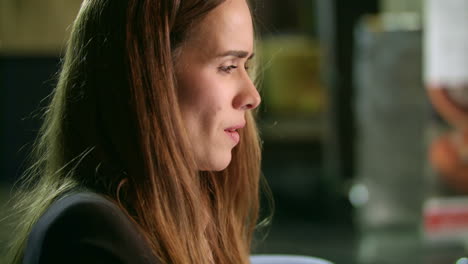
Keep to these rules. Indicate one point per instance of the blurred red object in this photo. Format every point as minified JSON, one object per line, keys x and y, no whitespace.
{"x":449,"y":155}
{"x":452,"y":104}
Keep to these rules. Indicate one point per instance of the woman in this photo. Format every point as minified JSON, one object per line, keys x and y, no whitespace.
{"x":149,"y":152}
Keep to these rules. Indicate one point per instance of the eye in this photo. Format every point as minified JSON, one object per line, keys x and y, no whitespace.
{"x":227,"y":69}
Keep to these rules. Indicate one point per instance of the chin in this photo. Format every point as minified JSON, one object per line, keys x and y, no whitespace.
{"x":219,"y":163}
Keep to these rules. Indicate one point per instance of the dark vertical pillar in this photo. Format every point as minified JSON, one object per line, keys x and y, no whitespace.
{"x":336,"y":22}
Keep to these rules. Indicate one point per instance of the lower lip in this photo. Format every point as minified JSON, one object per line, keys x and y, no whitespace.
{"x":234,"y":135}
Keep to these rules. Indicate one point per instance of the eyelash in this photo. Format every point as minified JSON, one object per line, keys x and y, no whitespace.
{"x":228,"y":69}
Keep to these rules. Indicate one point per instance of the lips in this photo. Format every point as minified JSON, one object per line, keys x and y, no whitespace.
{"x":233,"y":133}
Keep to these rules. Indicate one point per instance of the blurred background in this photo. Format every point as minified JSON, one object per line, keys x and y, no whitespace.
{"x":344,"y":122}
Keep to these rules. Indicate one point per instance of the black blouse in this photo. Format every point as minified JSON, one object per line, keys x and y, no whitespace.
{"x":85,"y":228}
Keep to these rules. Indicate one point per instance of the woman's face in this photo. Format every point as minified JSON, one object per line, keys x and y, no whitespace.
{"x":215,"y":90}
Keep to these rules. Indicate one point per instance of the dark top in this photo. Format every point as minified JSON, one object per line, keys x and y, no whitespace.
{"x":85,"y":228}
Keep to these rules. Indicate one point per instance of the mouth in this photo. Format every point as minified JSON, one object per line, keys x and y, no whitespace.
{"x":233,"y":133}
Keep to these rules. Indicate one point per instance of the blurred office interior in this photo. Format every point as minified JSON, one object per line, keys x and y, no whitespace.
{"x":343,"y":121}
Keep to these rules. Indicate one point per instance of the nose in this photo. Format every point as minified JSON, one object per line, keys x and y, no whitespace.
{"x":248,"y":97}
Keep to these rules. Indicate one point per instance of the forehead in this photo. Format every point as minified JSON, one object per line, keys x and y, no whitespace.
{"x":228,"y":26}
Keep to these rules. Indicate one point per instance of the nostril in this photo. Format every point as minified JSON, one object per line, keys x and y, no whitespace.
{"x":248,"y":106}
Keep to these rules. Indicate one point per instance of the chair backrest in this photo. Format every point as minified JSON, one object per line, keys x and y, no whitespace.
{"x":286,"y":259}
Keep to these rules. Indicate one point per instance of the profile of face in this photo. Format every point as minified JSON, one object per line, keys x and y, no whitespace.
{"x":215,"y":90}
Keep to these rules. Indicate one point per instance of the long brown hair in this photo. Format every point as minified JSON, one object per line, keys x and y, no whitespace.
{"x":113,"y":126}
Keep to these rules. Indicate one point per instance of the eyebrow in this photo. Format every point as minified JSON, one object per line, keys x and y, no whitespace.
{"x":237,"y":53}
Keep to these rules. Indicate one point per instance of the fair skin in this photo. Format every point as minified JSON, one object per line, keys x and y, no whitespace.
{"x":215,"y":90}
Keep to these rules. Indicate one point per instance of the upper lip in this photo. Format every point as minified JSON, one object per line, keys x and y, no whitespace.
{"x":235,"y":127}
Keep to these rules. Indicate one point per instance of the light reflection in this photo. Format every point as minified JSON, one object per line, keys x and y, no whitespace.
{"x":358,"y":195}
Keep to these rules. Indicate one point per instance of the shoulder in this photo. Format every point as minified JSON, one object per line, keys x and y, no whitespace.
{"x":85,"y":228}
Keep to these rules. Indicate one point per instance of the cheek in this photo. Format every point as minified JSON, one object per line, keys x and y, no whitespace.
{"x":203,"y":93}
{"x":207,"y":109}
